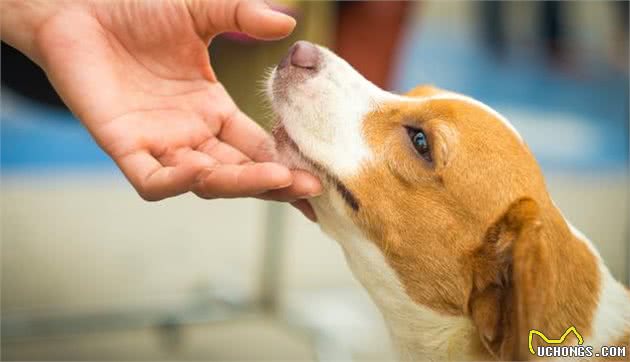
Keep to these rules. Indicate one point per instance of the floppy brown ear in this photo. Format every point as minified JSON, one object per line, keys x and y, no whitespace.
{"x":424,"y":90}
{"x":511,"y":283}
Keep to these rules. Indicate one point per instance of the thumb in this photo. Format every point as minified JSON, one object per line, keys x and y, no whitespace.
{"x":252,"y":17}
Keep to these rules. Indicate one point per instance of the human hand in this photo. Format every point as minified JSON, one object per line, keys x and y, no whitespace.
{"x":138,"y":75}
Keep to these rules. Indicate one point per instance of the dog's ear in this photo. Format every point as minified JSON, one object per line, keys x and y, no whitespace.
{"x":424,"y":90}
{"x":511,"y":285}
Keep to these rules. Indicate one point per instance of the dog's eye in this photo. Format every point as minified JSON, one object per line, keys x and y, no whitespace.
{"x":420,"y":142}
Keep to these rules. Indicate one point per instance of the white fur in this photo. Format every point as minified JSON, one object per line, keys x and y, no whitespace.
{"x":612,"y":316}
{"x":324,"y":113}
{"x":417,"y":331}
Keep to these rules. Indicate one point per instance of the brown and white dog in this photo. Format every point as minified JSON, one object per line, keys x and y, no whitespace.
{"x":443,"y":215}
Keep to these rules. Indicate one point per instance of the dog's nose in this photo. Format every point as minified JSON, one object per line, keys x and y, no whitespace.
{"x":302,"y":54}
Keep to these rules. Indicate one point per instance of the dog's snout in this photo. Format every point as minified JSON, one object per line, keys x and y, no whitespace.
{"x":302,"y":54}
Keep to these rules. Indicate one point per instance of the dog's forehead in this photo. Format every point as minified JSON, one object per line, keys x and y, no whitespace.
{"x":480,"y":105}
{"x":464,"y":100}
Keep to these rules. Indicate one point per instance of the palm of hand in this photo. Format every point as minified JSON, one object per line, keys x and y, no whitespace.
{"x":138,"y":75}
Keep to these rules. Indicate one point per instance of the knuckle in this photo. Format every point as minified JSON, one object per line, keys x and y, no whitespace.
{"x":201,"y":188}
{"x":148,"y":196}
{"x":206,"y":172}
{"x":205,"y":196}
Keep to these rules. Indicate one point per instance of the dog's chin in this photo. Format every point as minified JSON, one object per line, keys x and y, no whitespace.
{"x":288,"y":153}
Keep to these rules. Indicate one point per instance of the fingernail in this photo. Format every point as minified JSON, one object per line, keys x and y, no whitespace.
{"x":307,"y":196}
{"x":313,"y":194}
{"x":279,"y":14}
{"x":316,"y":189}
{"x":281,"y":174}
{"x":281,"y":186}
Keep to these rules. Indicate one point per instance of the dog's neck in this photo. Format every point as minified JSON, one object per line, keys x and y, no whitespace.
{"x":419,"y":333}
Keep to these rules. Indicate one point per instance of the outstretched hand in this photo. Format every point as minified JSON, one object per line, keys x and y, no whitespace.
{"x":138,"y":75}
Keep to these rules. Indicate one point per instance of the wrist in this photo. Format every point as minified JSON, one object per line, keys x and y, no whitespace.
{"x":22,"y":20}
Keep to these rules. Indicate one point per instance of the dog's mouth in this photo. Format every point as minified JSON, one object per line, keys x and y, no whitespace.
{"x":301,"y":65}
{"x":284,"y":143}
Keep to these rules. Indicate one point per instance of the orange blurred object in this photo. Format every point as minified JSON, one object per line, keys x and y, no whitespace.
{"x":368,"y":36}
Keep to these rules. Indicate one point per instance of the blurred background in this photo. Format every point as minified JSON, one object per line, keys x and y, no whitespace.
{"x":92,"y":272}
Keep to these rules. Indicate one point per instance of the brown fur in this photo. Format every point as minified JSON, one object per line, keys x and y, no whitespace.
{"x":456,"y":233}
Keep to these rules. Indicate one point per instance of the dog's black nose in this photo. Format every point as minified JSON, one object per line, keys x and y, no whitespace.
{"x":302,"y":54}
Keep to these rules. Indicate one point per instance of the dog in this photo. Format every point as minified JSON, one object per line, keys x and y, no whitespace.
{"x":443,"y":216}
